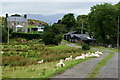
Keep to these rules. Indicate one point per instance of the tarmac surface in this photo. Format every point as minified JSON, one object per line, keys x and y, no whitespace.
{"x":81,"y":70}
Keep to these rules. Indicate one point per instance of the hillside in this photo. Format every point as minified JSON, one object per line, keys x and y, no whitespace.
{"x":31,"y":22}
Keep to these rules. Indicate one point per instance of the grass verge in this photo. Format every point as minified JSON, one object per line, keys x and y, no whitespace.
{"x":113,"y":49}
{"x":99,"y":66}
{"x":45,"y":70}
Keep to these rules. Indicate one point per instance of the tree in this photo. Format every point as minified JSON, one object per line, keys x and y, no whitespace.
{"x":102,"y":20}
{"x":69,"y":21}
{"x":4,"y":35}
{"x":82,"y":20}
{"x":51,"y":36}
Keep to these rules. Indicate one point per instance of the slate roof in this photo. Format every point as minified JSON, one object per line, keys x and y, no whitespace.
{"x":71,"y":32}
{"x":16,"y":18}
{"x":80,"y":36}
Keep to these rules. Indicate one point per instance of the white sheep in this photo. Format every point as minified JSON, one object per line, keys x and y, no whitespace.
{"x":2,"y":52}
{"x":87,"y":55}
{"x":91,"y":54}
{"x":60,"y":64}
{"x":39,"y":62}
{"x":67,"y":59}
{"x":80,"y":57}
{"x":96,"y":55}
{"x":98,"y":52}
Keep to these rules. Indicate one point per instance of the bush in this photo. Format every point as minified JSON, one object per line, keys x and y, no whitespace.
{"x":4,"y":35}
{"x":50,"y":36}
{"x":28,"y":36}
{"x":85,"y":47}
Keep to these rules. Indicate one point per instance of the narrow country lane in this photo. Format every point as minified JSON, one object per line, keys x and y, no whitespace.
{"x":81,"y":70}
{"x":110,"y":70}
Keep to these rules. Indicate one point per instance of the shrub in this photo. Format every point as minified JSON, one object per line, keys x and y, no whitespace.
{"x":85,"y":47}
{"x":28,"y":36}
{"x":4,"y":35}
{"x":50,"y":36}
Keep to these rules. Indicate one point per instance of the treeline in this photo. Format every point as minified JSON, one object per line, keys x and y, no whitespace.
{"x":101,"y":23}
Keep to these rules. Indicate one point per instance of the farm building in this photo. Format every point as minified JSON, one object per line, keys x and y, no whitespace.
{"x":38,"y":28}
{"x":75,"y":36}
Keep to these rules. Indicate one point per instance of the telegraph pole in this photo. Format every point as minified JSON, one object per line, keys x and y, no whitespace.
{"x":82,"y":31}
{"x":8,"y":32}
{"x":82,"y":27}
{"x":118,"y":34}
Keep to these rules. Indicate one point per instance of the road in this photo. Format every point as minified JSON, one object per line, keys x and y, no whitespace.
{"x":110,"y":70}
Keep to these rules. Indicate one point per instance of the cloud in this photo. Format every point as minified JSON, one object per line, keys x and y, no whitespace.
{"x":46,"y":8}
{"x":60,"y":0}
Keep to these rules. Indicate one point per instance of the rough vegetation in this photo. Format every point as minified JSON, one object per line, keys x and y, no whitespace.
{"x":32,"y":22}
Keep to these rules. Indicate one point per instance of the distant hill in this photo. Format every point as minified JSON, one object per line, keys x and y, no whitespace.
{"x":118,"y":4}
{"x":50,"y":19}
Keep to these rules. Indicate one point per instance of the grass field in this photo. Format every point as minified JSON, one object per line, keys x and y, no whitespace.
{"x":20,"y":60}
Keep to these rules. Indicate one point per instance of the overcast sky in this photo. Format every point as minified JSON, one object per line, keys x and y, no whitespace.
{"x":49,"y":7}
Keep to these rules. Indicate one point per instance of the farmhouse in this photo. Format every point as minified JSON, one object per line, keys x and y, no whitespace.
{"x":75,"y":36}
{"x":17,"y":23}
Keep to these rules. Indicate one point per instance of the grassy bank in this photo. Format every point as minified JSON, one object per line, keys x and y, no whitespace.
{"x":113,"y":49}
{"x":44,"y":70}
{"x":99,"y":66}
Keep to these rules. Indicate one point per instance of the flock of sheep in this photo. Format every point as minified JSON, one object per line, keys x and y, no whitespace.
{"x":83,"y":56}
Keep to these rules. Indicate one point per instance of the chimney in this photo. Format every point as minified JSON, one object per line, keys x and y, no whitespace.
{"x":6,"y":15}
{"x":25,"y":16}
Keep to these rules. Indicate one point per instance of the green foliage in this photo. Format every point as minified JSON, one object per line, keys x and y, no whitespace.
{"x":51,"y":36}
{"x":85,"y":47}
{"x":82,"y":19}
{"x":16,"y":15}
{"x":59,"y":28}
{"x":4,"y":35}
{"x":69,"y":21}
{"x":26,"y":35}
{"x":102,"y":20}
{"x":3,"y":21}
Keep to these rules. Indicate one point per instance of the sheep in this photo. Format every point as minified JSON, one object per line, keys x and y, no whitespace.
{"x":80,"y":57}
{"x":96,"y":55}
{"x":87,"y":55}
{"x":60,"y":64}
{"x":39,"y":62}
{"x":91,"y":54}
{"x":67,"y":59}
{"x":2,"y":52}
{"x":98,"y":52}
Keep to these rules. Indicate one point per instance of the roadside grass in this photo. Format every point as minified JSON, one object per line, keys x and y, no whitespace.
{"x":45,"y":70}
{"x":60,"y":47}
{"x":113,"y":49}
{"x":99,"y":66}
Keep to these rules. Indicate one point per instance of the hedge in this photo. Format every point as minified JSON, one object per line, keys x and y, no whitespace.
{"x":26,"y":35}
